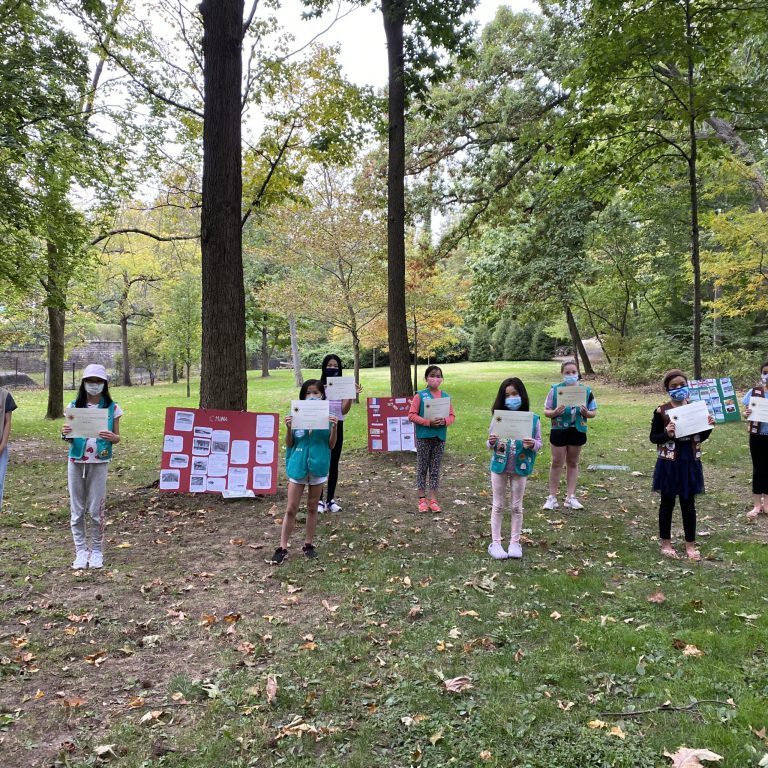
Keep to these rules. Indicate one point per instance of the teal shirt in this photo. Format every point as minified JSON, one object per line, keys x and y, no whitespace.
{"x":310,"y":454}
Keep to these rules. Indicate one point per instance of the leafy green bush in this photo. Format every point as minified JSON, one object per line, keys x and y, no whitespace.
{"x":480,"y":349}
{"x":645,"y":358}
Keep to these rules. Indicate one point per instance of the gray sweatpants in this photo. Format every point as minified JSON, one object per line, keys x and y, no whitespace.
{"x":87,"y":495}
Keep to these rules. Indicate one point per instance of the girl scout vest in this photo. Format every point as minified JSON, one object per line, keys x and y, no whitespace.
{"x":754,"y":426}
{"x":668,"y":450}
{"x":524,"y":457}
{"x":571,"y":417}
{"x":103,"y":447}
{"x":310,"y":454}
{"x":441,"y":432}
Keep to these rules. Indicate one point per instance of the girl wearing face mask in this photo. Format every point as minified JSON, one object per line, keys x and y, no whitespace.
{"x":307,"y":460}
{"x":87,"y":470}
{"x":430,"y":439}
{"x":567,"y":437}
{"x":511,"y":463}
{"x":339,"y":408}
{"x":678,"y":469}
{"x":758,"y":449}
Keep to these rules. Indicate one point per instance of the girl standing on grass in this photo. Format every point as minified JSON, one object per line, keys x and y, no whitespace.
{"x":758,"y":448}
{"x":511,"y":463}
{"x":7,"y":406}
{"x":87,"y":469}
{"x":567,"y":437}
{"x":678,"y":469}
{"x":430,"y":439}
{"x":307,"y":460}
{"x":332,"y":367}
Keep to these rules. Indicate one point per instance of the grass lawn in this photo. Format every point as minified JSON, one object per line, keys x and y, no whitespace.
{"x":189,"y":650}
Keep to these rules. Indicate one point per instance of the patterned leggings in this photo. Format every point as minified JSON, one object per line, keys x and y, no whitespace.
{"x":429,"y":454}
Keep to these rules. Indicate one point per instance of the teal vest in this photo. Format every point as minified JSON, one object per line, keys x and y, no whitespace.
{"x":524,"y":457}
{"x":103,"y":447}
{"x":572,"y":417}
{"x":310,"y":454}
{"x":441,"y":432}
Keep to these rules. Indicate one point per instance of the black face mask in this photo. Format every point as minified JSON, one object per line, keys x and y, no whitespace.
{"x":331,"y":372}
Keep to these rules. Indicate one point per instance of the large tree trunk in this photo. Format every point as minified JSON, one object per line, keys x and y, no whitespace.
{"x":578,"y":345}
{"x":174,"y":372}
{"x":126,"y":358}
{"x":264,"y":349}
{"x":397,"y":329}
{"x":223,"y":380}
{"x":55,"y":300}
{"x":295,"y":354}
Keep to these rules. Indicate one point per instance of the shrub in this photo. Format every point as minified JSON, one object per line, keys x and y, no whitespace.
{"x":480,"y":348}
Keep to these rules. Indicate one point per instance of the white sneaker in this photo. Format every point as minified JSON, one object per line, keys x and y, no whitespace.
{"x":551,"y":503}
{"x":334,"y":506}
{"x":321,"y":506}
{"x":497,"y":552}
{"x":515,"y":551}
{"x":96,"y":560}
{"x":572,"y":503}
{"x":81,"y":560}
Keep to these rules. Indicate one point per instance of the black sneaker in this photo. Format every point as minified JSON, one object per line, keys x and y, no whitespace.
{"x":309,"y":551}
{"x":279,"y":556}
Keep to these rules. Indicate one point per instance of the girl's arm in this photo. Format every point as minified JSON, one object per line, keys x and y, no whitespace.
{"x":549,"y":411}
{"x":589,"y":411}
{"x":332,"y":435}
{"x":288,"y":432}
{"x":413,"y":412}
{"x":451,"y":415}
{"x":6,"y":431}
{"x":113,"y":436}
{"x":658,"y":433}
{"x":347,"y":404}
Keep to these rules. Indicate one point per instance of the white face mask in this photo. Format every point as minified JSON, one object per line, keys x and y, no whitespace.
{"x":764,"y":378}
{"x":314,"y":397}
{"x":94,"y":389}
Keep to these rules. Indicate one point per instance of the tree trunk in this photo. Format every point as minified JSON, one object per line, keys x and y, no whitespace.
{"x":124,"y":345}
{"x":393,"y":12}
{"x":415,"y":356}
{"x":174,"y":373}
{"x":189,"y":365}
{"x":55,"y":301}
{"x":356,"y":359}
{"x":694,"y":191}
{"x":295,"y":354}
{"x":264,"y":350}
{"x":578,"y":345}
{"x":223,"y":380}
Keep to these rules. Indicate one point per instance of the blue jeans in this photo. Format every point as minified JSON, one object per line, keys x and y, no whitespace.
{"x":3,"y":467}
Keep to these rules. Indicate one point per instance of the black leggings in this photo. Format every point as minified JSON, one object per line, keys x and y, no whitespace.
{"x":688,"y":508}
{"x":333,"y":472}
{"x":758,"y":448}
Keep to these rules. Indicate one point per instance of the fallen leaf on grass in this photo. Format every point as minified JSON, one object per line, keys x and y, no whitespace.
{"x":97,"y":659}
{"x":415,"y":612}
{"x":156,"y":717}
{"x":297,"y":727}
{"x":692,"y":650}
{"x":435,"y":737}
{"x":135,"y":703}
{"x":291,"y":589}
{"x":73,"y":702}
{"x":458,"y":684}
{"x":246,"y":647}
{"x":572,"y":572}
{"x":616,"y":731}
{"x":554,"y":615}
{"x":597,"y":724}
{"x":691,"y":758}
{"x":309,"y":646}
{"x":330,"y":608}
{"x":566,"y":706}
{"x":208,"y":620}
{"x":473,"y":614}
{"x":657,"y":597}
{"x":124,"y":545}
{"x":486,"y":755}
{"x":232,"y":618}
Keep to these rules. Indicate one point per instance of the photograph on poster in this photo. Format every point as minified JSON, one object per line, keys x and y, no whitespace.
{"x":183,"y":421}
{"x":216,"y":484}
{"x":179,"y":460}
{"x":197,"y":483}
{"x":220,"y":441}
{"x":199,"y":465}
{"x":173,"y":443}
{"x":265,"y":451}
{"x":169,"y":479}
{"x":203,"y":432}
{"x":201,"y":446}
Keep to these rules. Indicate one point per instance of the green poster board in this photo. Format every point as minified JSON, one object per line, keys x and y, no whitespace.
{"x":720,"y":397}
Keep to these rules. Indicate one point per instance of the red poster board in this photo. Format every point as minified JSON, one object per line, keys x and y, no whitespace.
{"x":388,"y":425}
{"x":210,"y":451}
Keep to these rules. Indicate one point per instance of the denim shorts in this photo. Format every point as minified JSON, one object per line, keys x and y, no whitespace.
{"x":309,"y":480}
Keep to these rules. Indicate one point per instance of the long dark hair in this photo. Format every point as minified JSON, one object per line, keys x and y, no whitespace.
{"x":498,"y":403}
{"x":432,"y":369}
{"x":324,"y":365}
{"x":82,"y":395}
{"x":310,"y":383}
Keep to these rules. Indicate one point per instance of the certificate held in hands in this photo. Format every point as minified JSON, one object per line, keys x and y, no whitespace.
{"x":309,"y":414}
{"x":758,"y":409}
{"x":437,"y":408}
{"x":512,"y":425}
{"x":572,"y":396}
{"x":690,"y":419}
{"x":86,"y":422}
{"x":341,"y":388}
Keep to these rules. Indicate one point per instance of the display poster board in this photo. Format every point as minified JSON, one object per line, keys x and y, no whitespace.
{"x":720,"y":397}
{"x":388,"y":425}
{"x":229,"y":452}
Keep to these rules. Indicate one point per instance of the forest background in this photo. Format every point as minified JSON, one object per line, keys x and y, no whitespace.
{"x":591,"y":170}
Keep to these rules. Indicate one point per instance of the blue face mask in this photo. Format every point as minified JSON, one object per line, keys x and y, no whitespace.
{"x":571,"y":379}
{"x":513,"y":403}
{"x":681,"y":393}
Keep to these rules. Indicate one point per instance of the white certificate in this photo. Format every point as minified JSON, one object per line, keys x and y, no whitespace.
{"x":309,"y":414}
{"x":341,"y":388}
{"x":573,"y":395}
{"x":86,"y":422}
{"x":512,"y":425}
{"x":437,"y":407}
{"x":759,"y":406}
{"x":690,"y":419}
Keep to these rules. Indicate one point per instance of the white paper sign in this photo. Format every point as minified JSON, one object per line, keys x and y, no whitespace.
{"x":309,"y":414}
{"x":575,"y":395}
{"x":437,"y":407}
{"x":512,"y":425}
{"x":241,"y":452}
{"x":201,"y":446}
{"x":341,"y":388}
{"x":218,"y":465}
{"x":197,"y":483}
{"x":199,"y":465}
{"x":86,"y":422}
{"x":220,"y":441}
{"x":265,"y":425}
{"x":173,"y":443}
{"x":237,"y":479}
{"x":265,"y":451}
{"x":216,"y":484}
{"x":183,"y":421}
{"x":179,"y":460}
{"x":759,"y":406}
{"x":262,"y":478}
{"x":169,"y":479}
{"x":690,"y":419}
